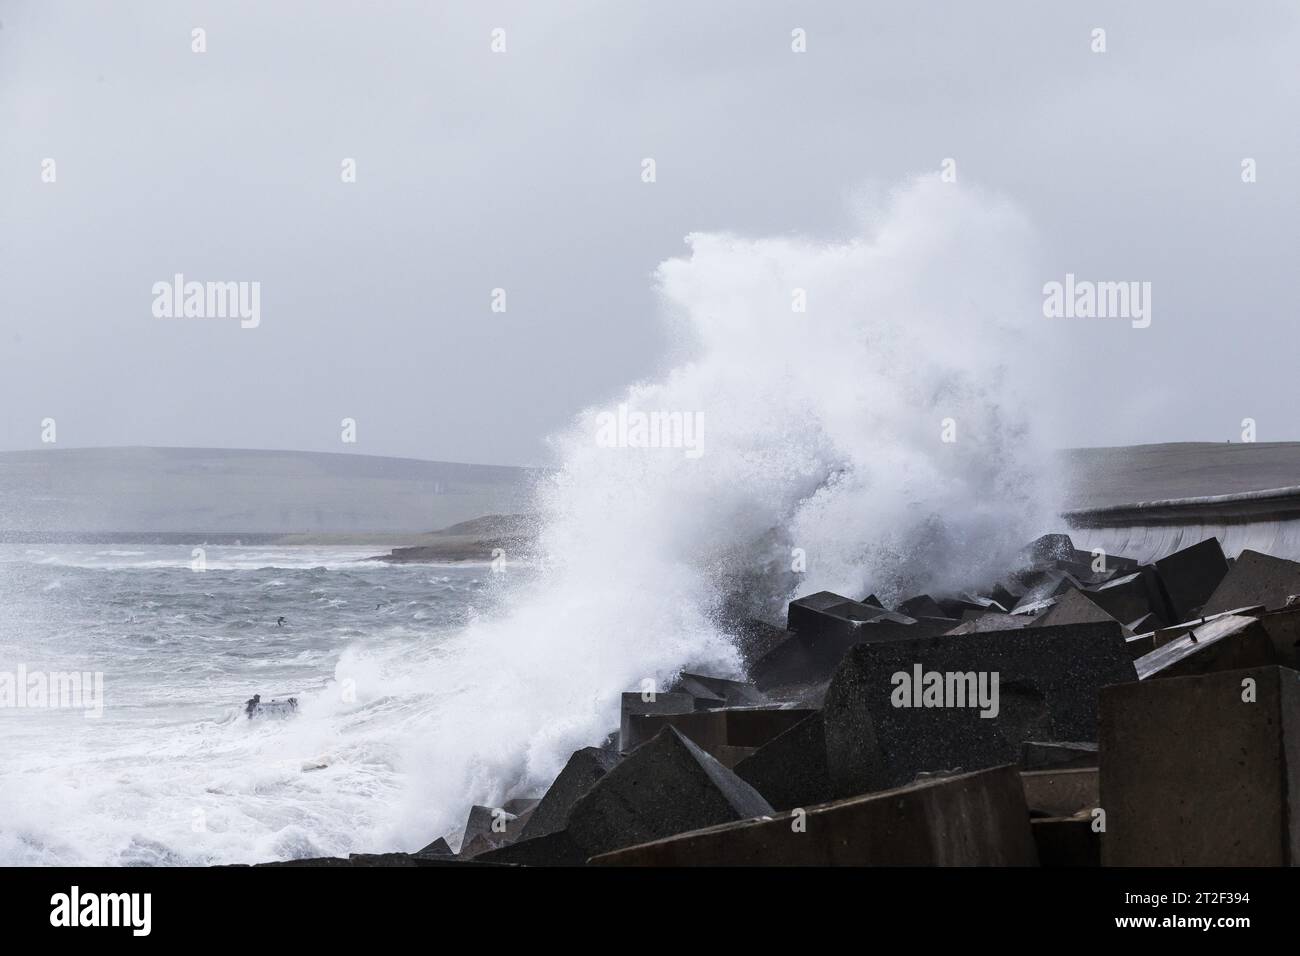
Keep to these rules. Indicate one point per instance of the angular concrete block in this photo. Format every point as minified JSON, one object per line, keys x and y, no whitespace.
{"x":664,"y":787}
{"x":1255,"y":578}
{"x":921,"y":606}
{"x":1225,"y":643}
{"x":974,"y":819}
{"x":1060,"y":793}
{"x":636,"y":704}
{"x":584,"y":769}
{"x":729,"y":693}
{"x":1191,"y":575}
{"x":1047,"y":680}
{"x":790,"y":770}
{"x":438,"y":848}
{"x":827,"y":613}
{"x":551,"y":849}
{"x":1057,"y":755}
{"x":1202,"y":771}
{"x":754,"y":638}
{"x":1132,"y":596}
{"x":1073,"y":607}
{"x":718,"y":732}
{"x":982,"y":623}
{"x":1283,"y":629}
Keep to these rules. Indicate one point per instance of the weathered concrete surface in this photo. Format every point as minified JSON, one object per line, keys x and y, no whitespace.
{"x":811,"y":657}
{"x":1057,"y":755}
{"x":1255,"y":579}
{"x":1060,"y":793}
{"x":717,"y":732}
{"x":827,"y":613}
{"x":1283,"y":629}
{"x":790,"y":770}
{"x":636,"y":704}
{"x":584,"y":769}
{"x":438,"y":848}
{"x":666,"y":786}
{"x":975,"y":819}
{"x":1133,"y":596}
{"x":1191,"y":575}
{"x":1048,"y":680}
{"x":1192,"y":774}
{"x":719,"y":692}
{"x":1073,"y":607}
{"x":1225,"y":643}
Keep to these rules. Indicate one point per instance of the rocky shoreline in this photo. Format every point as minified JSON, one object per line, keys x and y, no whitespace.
{"x":1084,"y":710}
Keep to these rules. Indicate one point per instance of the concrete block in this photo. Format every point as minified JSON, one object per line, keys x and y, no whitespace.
{"x":636,"y":704}
{"x":664,"y":787}
{"x":1073,"y":607}
{"x":1255,"y":578}
{"x":1061,"y":793}
{"x":1047,"y":680}
{"x":1225,"y":643}
{"x":718,"y":731}
{"x":921,"y":606}
{"x":1283,"y":629}
{"x":1057,"y":755}
{"x":438,"y":848}
{"x":974,"y":819}
{"x":729,"y":693}
{"x":1132,"y":596}
{"x":754,"y":638}
{"x":584,"y":769}
{"x":827,"y":613}
{"x":1191,"y":575}
{"x":790,"y":769}
{"x":1202,"y":771}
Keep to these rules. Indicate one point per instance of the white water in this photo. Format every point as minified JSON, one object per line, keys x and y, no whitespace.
{"x":821,"y":432}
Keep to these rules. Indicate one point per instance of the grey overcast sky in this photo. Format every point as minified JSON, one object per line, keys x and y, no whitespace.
{"x":522,"y":170}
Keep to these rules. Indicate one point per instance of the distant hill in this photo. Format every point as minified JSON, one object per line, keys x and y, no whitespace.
{"x":58,"y":492}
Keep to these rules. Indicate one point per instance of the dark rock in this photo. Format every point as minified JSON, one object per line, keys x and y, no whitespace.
{"x":1255,"y":578}
{"x":975,"y":819}
{"x":584,"y":769}
{"x":1048,"y":680}
{"x":1057,"y":755}
{"x":1202,"y":771}
{"x":872,"y":601}
{"x":1226,"y":643}
{"x":1191,"y":575}
{"x":790,"y":770}
{"x":664,"y":787}
{"x":637,"y":704}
